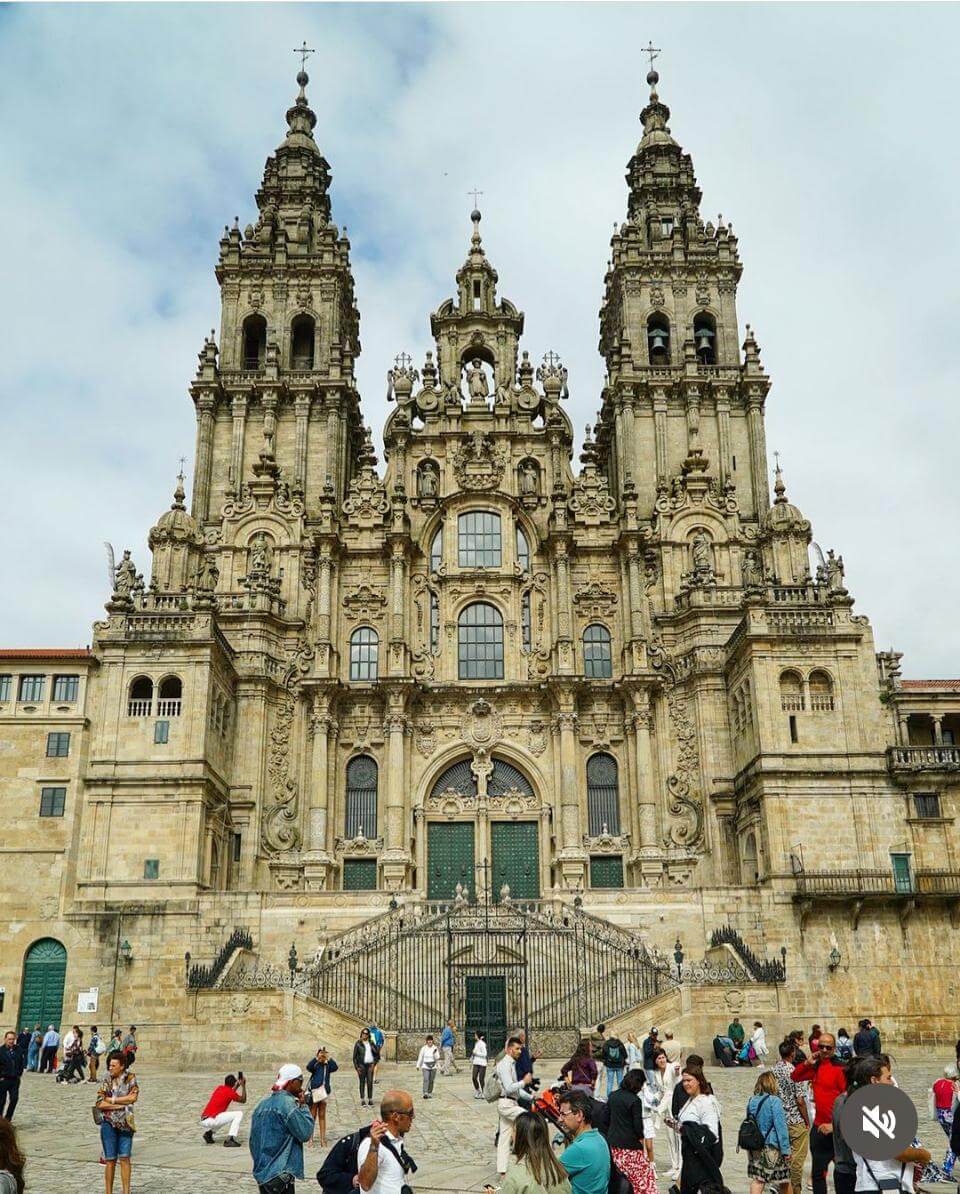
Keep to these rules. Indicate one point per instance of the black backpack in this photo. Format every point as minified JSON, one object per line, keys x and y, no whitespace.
{"x":613,"y":1053}
{"x":750,"y":1138}
{"x":340,"y":1167}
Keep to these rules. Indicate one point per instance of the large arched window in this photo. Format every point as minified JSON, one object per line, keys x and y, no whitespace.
{"x":364,"y":645}
{"x":140,"y":701}
{"x":301,"y":342}
{"x":821,"y":692}
{"x":705,"y":337}
{"x":459,"y":778}
{"x":436,"y":551}
{"x":254,"y":342}
{"x":506,"y":778}
{"x":523,"y":551}
{"x":361,"y":797}
{"x":169,"y":697}
{"x":791,"y":692}
{"x":658,"y":339}
{"x":480,"y":642}
{"x":597,"y":655}
{"x":603,"y":795}
{"x":478,"y":539}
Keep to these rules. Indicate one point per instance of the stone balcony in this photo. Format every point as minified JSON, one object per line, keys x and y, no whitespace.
{"x":856,"y":887}
{"x":905,"y":760}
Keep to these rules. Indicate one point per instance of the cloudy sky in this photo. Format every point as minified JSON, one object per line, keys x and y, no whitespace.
{"x":825,"y":133}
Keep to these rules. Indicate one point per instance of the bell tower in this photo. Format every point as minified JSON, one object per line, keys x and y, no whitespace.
{"x":280,"y":384}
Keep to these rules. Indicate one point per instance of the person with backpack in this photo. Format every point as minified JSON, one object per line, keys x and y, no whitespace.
{"x":280,"y":1127}
{"x":95,"y":1050}
{"x":382,"y":1162}
{"x":844,"y":1046}
{"x":763,"y":1134}
{"x":376,"y":1035}
{"x":613,"y":1054}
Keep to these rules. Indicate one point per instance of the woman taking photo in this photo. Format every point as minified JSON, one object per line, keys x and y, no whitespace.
{"x":318,"y":1091}
{"x":365,"y":1057}
{"x":627,"y":1135}
{"x":770,"y":1165}
{"x":478,"y":1059}
{"x":537,"y":1170}
{"x":701,"y":1153}
{"x":115,"y":1100}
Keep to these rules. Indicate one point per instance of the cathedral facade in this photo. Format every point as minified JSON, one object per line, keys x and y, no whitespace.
{"x":483,"y":672}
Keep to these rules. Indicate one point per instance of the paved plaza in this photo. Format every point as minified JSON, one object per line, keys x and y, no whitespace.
{"x":452,"y":1137}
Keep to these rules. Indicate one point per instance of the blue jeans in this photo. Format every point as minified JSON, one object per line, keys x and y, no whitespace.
{"x":116,"y":1142}
{"x":614,"y":1078}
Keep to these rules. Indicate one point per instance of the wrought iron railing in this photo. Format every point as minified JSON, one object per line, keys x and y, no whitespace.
{"x":204,"y":976}
{"x":761,"y":970}
{"x":869,"y":882}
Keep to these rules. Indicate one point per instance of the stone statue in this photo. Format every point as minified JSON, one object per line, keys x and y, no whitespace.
{"x":459,"y":895}
{"x":752,"y":572}
{"x":269,"y":429}
{"x":529,"y":479}
{"x":207,"y":575}
{"x":428,"y":483}
{"x":260,"y":554}
{"x":702,"y":552}
{"x":477,"y":382}
{"x":505,"y":894}
{"x":835,"y":572}
{"x":126,"y":577}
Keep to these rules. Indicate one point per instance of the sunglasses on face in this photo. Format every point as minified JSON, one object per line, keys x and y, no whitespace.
{"x":826,"y":1048}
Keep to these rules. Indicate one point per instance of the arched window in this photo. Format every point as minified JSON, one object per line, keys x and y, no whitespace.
{"x":140,"y":701}
{"x":434,"y":622}
{"x":478,"y":539}
{"x":791,"y":692}
{"x":705,"y":337}
{"x":597,"y":655}
{"x":603,"y":795}
{"x":480,"y":642}
{"x":254,"y":342}
{"x":169,"y":697}
{"x":821,"y":692}
{"x":751,"y":860}
{"x":458,"y":778}
{"x":658,"y":339}
{"x":361,"y":797}
{"x":526,"y":629}
{"x":364,"y":644}
{"x":301,"y":342}
{"x":506,"y":778}
{"x":523,"y":551}
{"x":436,"y":551}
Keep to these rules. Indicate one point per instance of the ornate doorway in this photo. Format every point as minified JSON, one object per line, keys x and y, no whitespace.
{"x":516,"y":859}
{"x":450,"y":859}
{"x":41,"y":994}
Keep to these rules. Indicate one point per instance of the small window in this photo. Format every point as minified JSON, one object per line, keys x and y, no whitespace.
{"x":140,"y":701}
{"x":169,"y":697}
{"x":734,"y":460}
{"x":359,"y":874}
{"x":436,"y":552}
{"x":31,"y":688}
{"x":301,"y":342}
{"x":523,"y":551}
{"x":526,"y":632}
{"x":364,"y":645}
{"x":6,"y":687}
{"x":66,"y":688}
{"x":151,"y":868}
{"x":161,"y":732}
{"x":58,"y":746}
{"x":927,"y":805}
{"x":478,"y":534}
{"x":946,"y":737}
{"x":666,"y":226}
{"x":794,"y":736}
{"x":236,"y":843}
{"x":606,"y":871}
{"x":476,"y":294}
{"x":597,"y":653}
{"x":52,"y":801}
{"x":434,"y":623}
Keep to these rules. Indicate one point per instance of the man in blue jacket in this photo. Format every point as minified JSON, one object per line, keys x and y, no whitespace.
{"x":280,"y":1127}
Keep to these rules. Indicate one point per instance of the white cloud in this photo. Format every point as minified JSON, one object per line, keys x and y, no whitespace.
{"x":133,"y":133}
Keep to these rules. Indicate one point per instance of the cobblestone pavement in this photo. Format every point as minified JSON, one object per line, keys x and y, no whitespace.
{"x":452,"y":1137}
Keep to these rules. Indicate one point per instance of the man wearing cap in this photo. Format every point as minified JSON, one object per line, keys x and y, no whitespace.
{"x":650,"y":1045}
{"x":280,"y":1127}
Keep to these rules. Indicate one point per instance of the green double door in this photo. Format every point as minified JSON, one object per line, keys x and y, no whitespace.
{"x":451,"y":859}
{"x":486,"y":1011}
{"x":44,"y":974}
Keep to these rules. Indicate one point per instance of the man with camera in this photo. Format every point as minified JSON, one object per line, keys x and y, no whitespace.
{"x":512,"y":1102}
{"x":218,"y":1112}
{"x":382,"y":1163}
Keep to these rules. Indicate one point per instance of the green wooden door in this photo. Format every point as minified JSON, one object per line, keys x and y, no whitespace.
{"x":449,"y":859}
{"x":516,"y":859}
{"x":902,"y":879}
{"x":486,"y":1011}
{"x":44,"y":973}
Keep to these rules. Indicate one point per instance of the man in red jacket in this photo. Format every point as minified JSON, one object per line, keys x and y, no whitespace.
{"x":828,"y":1078}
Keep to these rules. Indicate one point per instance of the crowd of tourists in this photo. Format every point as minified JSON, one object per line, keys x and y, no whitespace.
{"x":591,"y":1129}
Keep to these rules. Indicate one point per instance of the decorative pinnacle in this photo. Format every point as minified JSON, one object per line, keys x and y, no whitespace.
{"x":178,"y":493}
{"x":653,"y":77}
{"x":779,"y":488}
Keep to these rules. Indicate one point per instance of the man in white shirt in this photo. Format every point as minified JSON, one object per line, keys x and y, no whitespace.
{"x":508,"y":1109}
{"x":379,"y":1170}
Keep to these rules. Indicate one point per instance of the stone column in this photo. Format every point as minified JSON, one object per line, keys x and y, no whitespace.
{"x":323,"y":596}
{"x":723,"y":433}
{"x":201,"y":476}
{"x":564,"y":607}
{"x":332,"y":466}
{"x":572,"y":856}
{"x":937,"y":719}
{"x":758,"y":456}
{"x":301,"y":408}
{"x":636,"y":594}
{"x":397,"y":577}
{"x":903,"y":724}
{"x":239,"y":408}
{"x":660,"y":432}
{"x":628,"y":454}
{"x":646,"y":786}
{"x":395,"y":856}
{"x":319,"y":796}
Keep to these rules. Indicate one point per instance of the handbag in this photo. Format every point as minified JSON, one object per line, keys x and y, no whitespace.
{"x":318,"y":1094}
{"x":280,"y":1183}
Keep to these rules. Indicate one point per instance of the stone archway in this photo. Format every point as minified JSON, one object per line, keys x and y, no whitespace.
{"x":41,"y":991}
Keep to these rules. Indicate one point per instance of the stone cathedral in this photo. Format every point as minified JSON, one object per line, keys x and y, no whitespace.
{"x":629,"y":690}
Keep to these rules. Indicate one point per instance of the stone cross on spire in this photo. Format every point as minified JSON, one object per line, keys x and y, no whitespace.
{"x":303,"y":52}
{"x":476,"y":195}
{"x":650,"y":50}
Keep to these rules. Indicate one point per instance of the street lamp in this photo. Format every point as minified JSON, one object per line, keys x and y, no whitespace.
{"x":292,"y":962}
{"x":126,"y":951}
{"x":834,"y":958}
{"x":678,"y":958}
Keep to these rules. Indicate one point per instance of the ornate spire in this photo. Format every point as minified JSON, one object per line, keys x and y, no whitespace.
{"x":301,"y":118}
{"x":178,"y":494}
{"x":779,"y":488}
{"x":655,"y":115}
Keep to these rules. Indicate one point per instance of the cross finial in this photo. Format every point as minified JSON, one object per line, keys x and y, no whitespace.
{"x":183,"y":461}
{"x":650,"y":50}
{"x":776,"y":457}
{"x":476,"y":195}
{"x":303,"y":52}
{"x":403,"y":360}
{"x":550,"y":359}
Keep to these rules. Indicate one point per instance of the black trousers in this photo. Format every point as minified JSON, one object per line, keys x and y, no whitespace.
{"x":47,"y":1054}
{"x":9,"y":1096}
{"x":821,"y":1154}
{"x":479,"y":1075}
{"x":843,"y":1182}
{"x":366,"y":1080}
